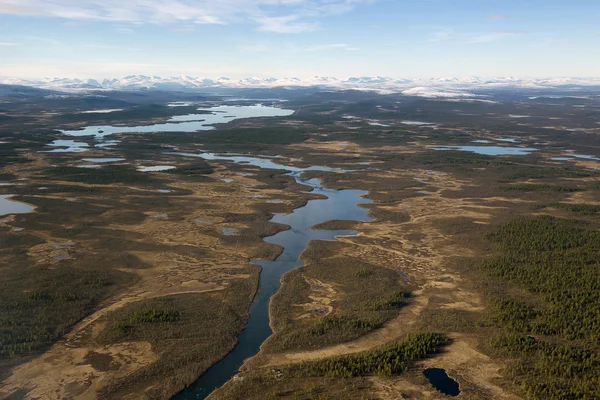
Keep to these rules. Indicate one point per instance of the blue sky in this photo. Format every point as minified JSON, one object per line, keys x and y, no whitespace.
{"x":286,"y":38}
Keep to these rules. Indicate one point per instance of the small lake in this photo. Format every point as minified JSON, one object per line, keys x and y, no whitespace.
{"x":440,"y":380}
{"x":107,"y":144}
{"x":156,"y":168}
{"x":68,"y":146}
{"x":104,"y":111}
{"x":509,"y":140}
{"x":585,"y":157}
{"x":102,"y":160}
{"x":8,"y":206}
{"x":187,"y":123}
{"x":491,"y":150}
{"x":89,"y":166}
{"x":417,"y":123}
{"x":339,"y":205}
{"x":257,"y":162}
{"x":228,"y":231}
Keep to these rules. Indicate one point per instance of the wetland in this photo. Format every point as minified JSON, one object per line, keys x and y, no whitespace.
{"x":259,"y":249}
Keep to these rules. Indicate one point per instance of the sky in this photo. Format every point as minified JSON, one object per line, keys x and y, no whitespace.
{"x":299,"y":38}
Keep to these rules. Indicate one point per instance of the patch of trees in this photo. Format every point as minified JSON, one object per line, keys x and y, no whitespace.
{"x":583,"y":209}
{"x":529,"y":187}
{"x":106,"y":175}
{"x":545,"y":306}
{"x":393,"y":359}
{"x":39,"y":305}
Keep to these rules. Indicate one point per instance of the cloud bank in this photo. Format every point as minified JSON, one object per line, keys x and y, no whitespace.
{"x":282,"y":16}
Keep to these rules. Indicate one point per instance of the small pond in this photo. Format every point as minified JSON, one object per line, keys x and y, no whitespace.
{"x":228,"y":231}
{"x":104,"y":111}
{"x":509,"y":140}
{"x":68,"y":146}
{"x":103,"y":160}
{"x":492,"y":150}
{"x":155,"y":168}
{"x":8,"y":206}
{"x":440,"y":380}
{"x":257,"y":162}
{"x":417,"y":123}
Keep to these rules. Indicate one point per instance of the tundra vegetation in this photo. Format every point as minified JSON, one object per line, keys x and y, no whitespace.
{"x":468,"y":254}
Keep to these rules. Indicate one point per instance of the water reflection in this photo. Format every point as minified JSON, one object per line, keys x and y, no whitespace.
{"x":491,"y":150}
{"x":338,"y":205}
{"x":8,"y":206}
{"x":187,"y":123}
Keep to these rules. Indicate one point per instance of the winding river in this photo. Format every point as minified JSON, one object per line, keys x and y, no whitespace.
{"x":339,"y":205}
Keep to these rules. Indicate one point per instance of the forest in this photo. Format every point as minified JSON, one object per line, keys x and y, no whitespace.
{"x":544,"y":293}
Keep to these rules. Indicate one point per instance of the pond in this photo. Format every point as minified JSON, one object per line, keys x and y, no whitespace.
{"x":440,"y":380}
{"x":257,"y":162}
{"x":104,"y":111}
{"x":228,"y":231}
{"x":585,"y":157}
{"x":491,"y":150}
{"x":103,"y":160}
{"x":417,"y":123}
{"x":509,"y":140}
{"x":8,"y":206}
{"x":68,"y":146}
{"x":155,"y":168}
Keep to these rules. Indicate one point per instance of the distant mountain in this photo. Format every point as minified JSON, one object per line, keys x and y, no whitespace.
{"x":446,"y":87}
{"x":10,"y":90}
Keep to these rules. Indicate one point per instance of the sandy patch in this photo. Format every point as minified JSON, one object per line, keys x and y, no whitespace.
{"x":321,"y":295}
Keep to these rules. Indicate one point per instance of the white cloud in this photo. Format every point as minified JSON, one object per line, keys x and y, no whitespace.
{"x":285,"y":24}
{"x":100,"y":69}
{"x":126,"y":31}
{"x":184,"y":29}
{"x":7,"y":44}
{"x":282,"y":16}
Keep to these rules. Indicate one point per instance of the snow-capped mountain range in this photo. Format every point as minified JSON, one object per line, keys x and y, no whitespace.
{"x":431,"y":87}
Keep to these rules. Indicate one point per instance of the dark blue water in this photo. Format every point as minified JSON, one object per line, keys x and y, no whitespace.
{"x":440,"y":380}
{"x":339,"y":205}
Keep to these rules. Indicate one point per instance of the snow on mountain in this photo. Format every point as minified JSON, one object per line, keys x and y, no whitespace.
{"x":434,"y":92}
{"x":438,"y":87}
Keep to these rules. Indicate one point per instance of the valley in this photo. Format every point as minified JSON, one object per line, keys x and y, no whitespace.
{"x":299,"y":243}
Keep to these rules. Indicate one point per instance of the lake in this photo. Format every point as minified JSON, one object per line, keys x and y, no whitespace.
{"x":186,"y":123}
